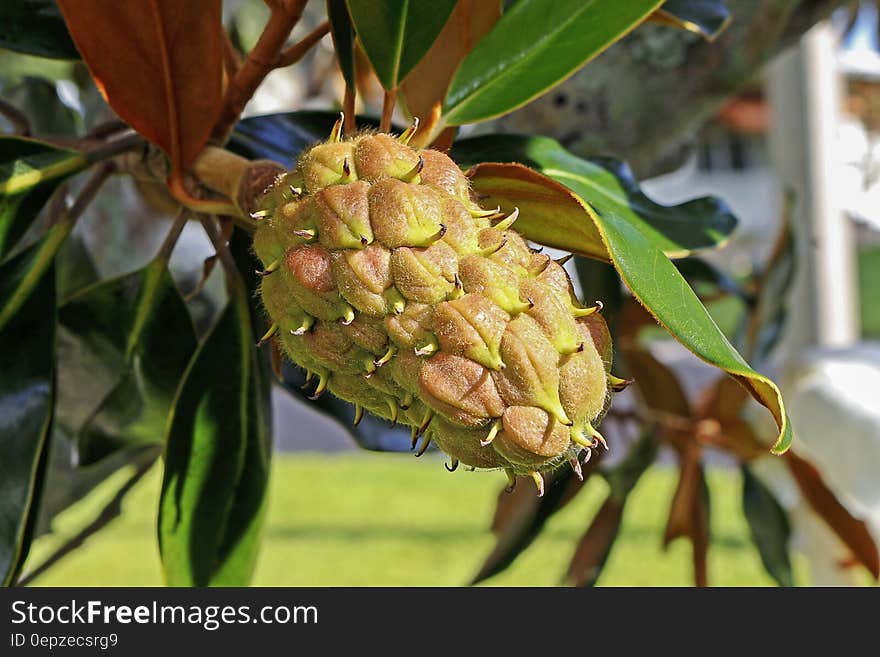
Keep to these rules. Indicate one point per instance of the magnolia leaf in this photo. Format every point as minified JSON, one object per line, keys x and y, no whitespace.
{"x":636,"y":252}
{"x":534,"y":46}
{"x":425,"y":87}
{"x":216,"y":458}
{"x":342,"y":32}
{"x":396,"y":34}
{"x":30,"y":170}
{"x":769,"y":527}
{"x":158,"y":64}
{"x":851,"y":530}
{"x":35,"y":27}
{"x":27,"y":383}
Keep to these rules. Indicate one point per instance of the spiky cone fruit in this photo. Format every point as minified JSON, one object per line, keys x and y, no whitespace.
{"x":388,"y":283}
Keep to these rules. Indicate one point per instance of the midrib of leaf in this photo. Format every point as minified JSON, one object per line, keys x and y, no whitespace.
{"x":23,"y":181}
{"x":168,"y":82}
{"x":399,"y":46}
{"x":42,"y":260}
{"x":508,"y":69}
{"x":145,"y":306}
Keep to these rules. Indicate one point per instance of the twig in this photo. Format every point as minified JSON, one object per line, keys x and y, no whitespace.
{"x":387,"y":110}
{"x":128,"y":142}
{"x":174,"y":234}
{"x":107,"y":515}
{"x":107,"y":128}
{"x":16,"y":117}
{"x":220,"y":246}
{"x":259,"y":62}
{"x":231,"y":57}
{"x":296,"y":52}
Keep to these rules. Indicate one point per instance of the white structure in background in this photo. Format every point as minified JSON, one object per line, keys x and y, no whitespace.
{"x":831,"y":383}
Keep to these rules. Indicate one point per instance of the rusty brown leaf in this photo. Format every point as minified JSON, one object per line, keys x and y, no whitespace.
{"x":159,"y":65}
{"x":595,"y":545}
{"x":849,"y":529}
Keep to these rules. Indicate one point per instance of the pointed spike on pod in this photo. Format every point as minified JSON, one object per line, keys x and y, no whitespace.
{"x":336,"y":130}
{"x":598,"y":436}
{"x":271,"y":268}
{"x":480,"y":213}
{"x":358,"y":415}
{"x":306,"y":234}
{"x":347,"y":316}
{"x":431,"y":347}
{"x":495,"y":248}
{"x":268,"y":334}
{"x":369,"y":367}
{"x":586,"y":312}
{"x":579,"y":437}
{"x":346,"y":168}
{"x":539,"y":482}
{"x":586,"y":457}
{"x":364,"y":240}
{"x":414,"y":436}
{"x":407,"y":401}
{"x":617,"y":384}
{"x":423,"y":426}
{"x":322,"y":386}
{"x":544,"y":268}
{"x":453,"y":467}
{"x":424,"y":446}
{"x":259,"y":214}
{"x":507,"y":222}
{"x":561,"y":261}
{"x":410,"y":175}
{"x":511,"y":480}
{"x":407,"y":135}
{"x":538,"y":249}
{"x":302,"y":329}
{"x":493,"y":431}
{"x":399,"y":306}
{"x":393,"y":409}
{"x":576,"y":467}
{"x":436,"y":237}
{"x":309,"y":376}
{"x":296,"y":191}
{"x":387,"y":356}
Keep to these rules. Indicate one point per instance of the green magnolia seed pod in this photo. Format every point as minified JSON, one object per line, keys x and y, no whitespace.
{"x":388,"y":282}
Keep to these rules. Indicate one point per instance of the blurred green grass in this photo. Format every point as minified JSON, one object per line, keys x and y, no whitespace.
{"x":361,"y":519}
{"x":869,"y":283}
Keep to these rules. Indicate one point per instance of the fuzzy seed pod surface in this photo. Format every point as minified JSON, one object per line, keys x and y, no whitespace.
{"x":392,"y":286}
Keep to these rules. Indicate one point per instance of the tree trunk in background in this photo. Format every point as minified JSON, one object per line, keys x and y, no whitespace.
{"x":679,"y":79}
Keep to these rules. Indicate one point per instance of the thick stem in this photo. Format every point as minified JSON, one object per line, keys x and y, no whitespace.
{"x":258,"y":63}
{"x":388,"y":110}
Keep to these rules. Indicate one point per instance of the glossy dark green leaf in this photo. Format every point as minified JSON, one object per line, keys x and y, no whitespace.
{"x":216,"y":459}
{"x":343,"y":38}
{"x":396,"y":34}
{"x":534,"y":46}
{"x":609,"y":187}
{"x":636,"y":251}
{"x":769,"y":527}
{"x":30,"y":170}
{"x":35,"y":27}
{"x":142,"y":319}
{"x":282,"y":137}
{"x":708,"y":18}
{"x":772,"y":303}
{"x":27,"y":340}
